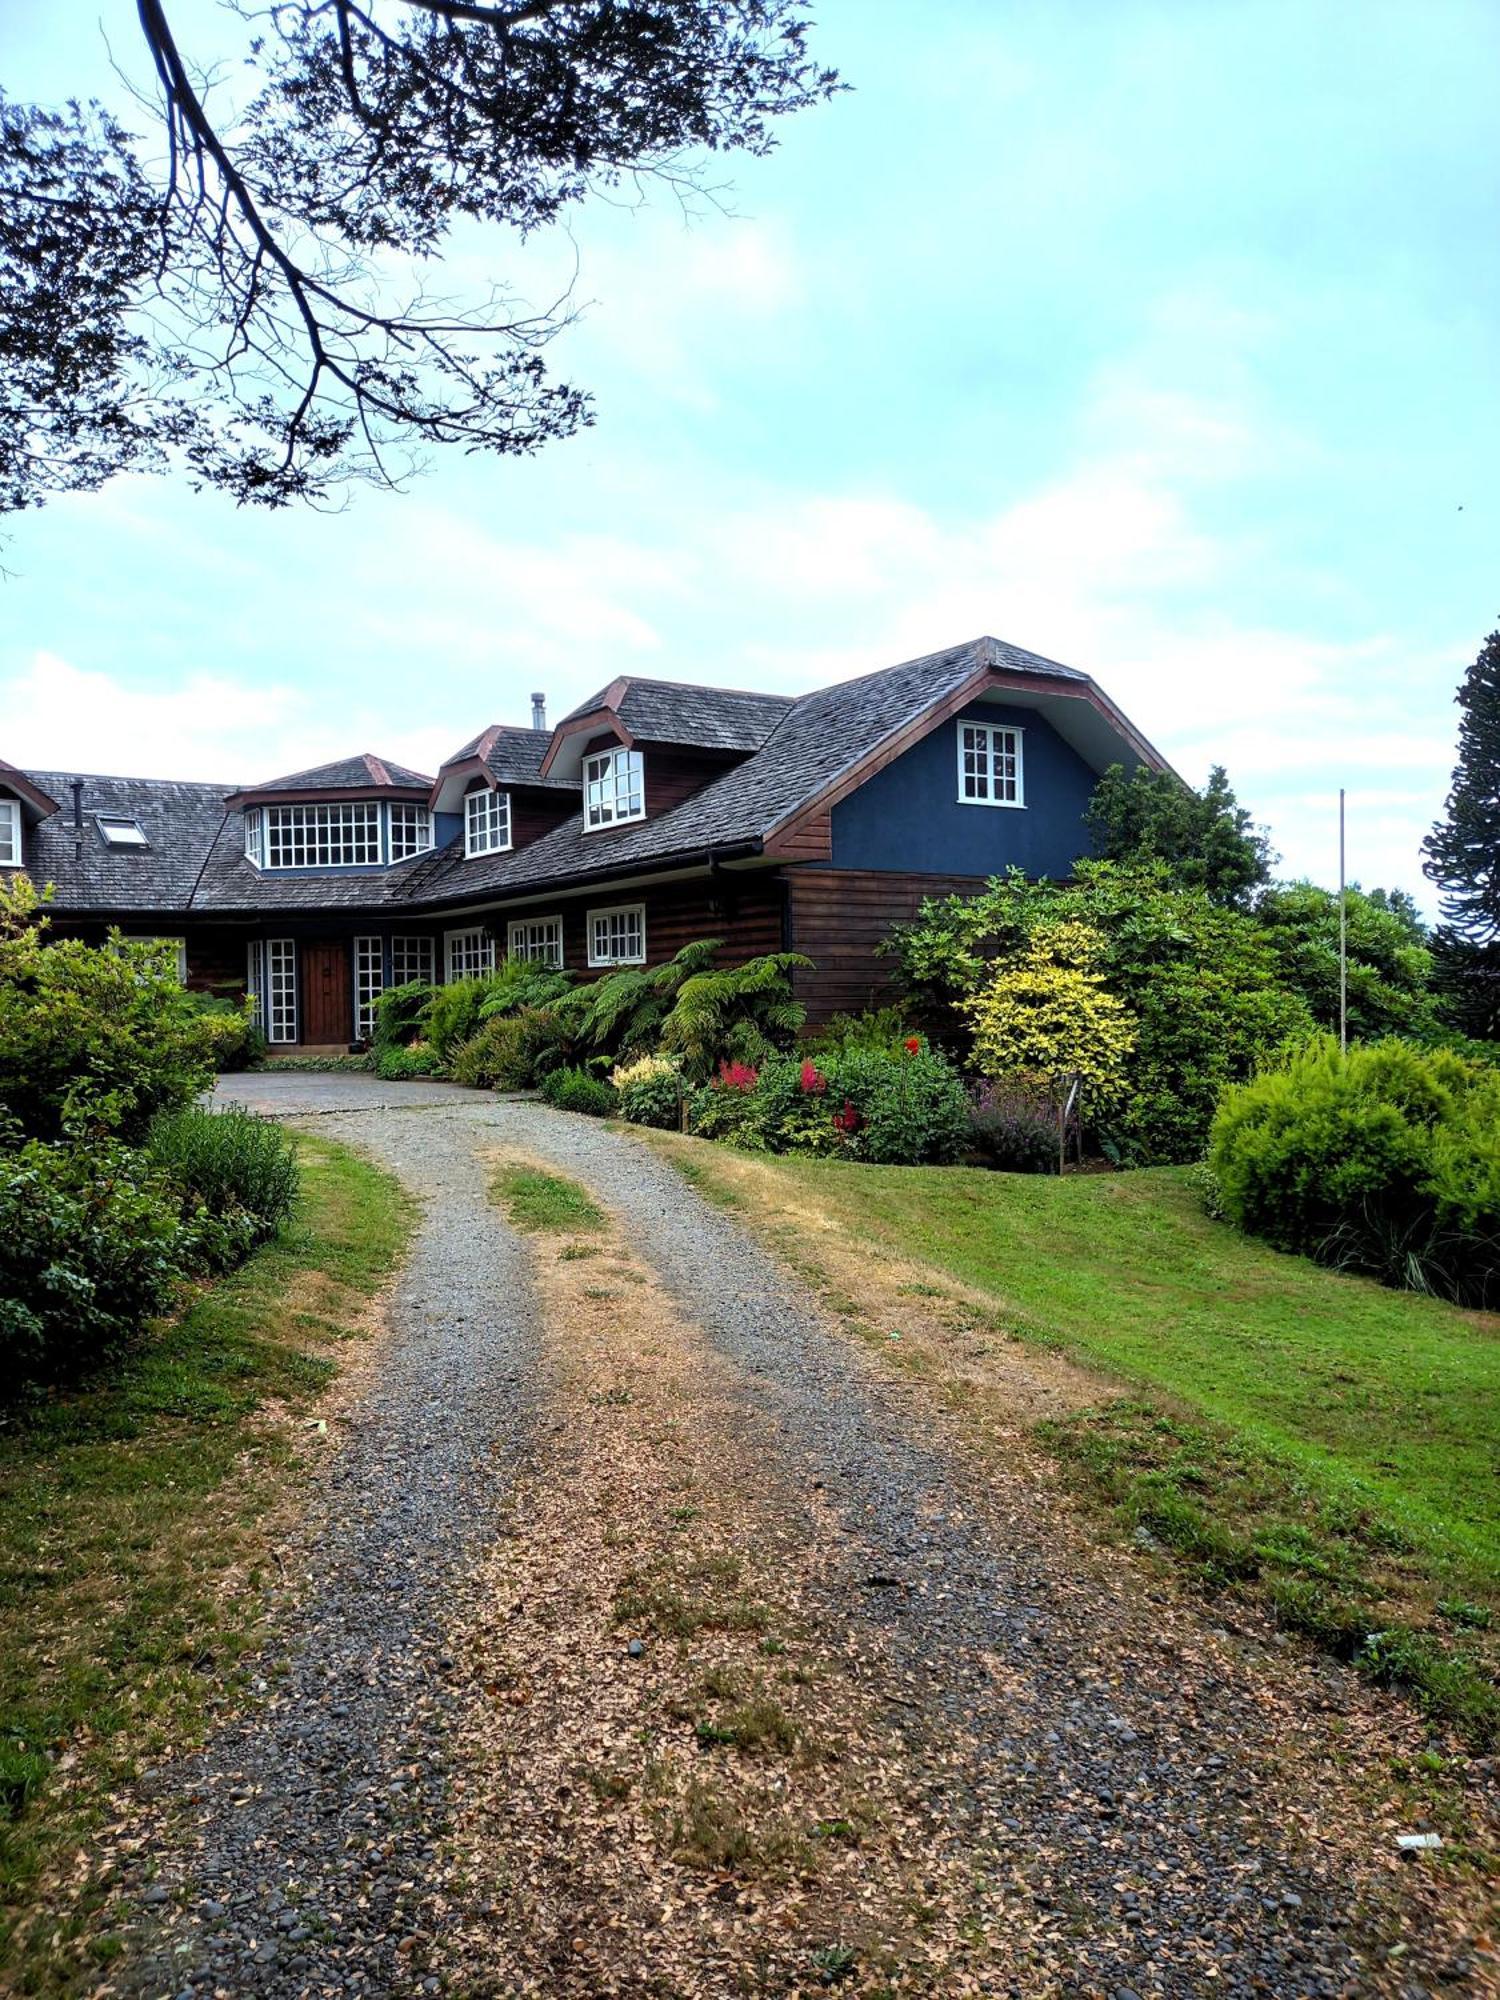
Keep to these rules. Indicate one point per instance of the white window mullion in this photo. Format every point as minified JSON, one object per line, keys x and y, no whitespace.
{"x":411,"y":958}
{"x":617,"y":936}
{"x":467,"y":954}
{"x":614,"y":788}
{"x":989,"y":765}
{"x":537,"y":939}
{"x":281,"y":990}
{"x":369,"y":984}
{"x":10,"y":833}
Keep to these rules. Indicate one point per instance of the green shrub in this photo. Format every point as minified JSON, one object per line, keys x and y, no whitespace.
{"x":92,"y":1242}
{"x":518,"y":983}
{"x":93,"y":1038}
{"x":720,"y":1110}
{"x":401,"y":1014}
{"x":884,"y":1029}
{"x":1013,"y":1128}
{"x":495,"y":1057}
{"x":734,"y":1013}
{"x":1384,"y":1160}
{"x":650,"y":1092}
{"x":576,"y":1090}
{"x":235,"y":1043}
{"x":452,"y":1015}
{"x":397,"y":1065}
{"x":237,"y":1173}
{"x":903,"y":1110}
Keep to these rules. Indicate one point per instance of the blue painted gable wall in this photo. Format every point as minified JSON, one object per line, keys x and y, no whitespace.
{"x":908,"y":818}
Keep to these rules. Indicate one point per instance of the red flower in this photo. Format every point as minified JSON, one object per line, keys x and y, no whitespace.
{"x":738,"y":1076}
{"x":813,"y":1080}
{"x":914,"y":1045}
{"x":847,"y":1121}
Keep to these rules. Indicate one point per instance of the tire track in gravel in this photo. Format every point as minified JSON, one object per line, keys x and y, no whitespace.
{"x":299,"y":1851}
{"x":1104,"y":1757}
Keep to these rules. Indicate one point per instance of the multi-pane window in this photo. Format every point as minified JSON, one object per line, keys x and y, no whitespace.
{"x":486,"y":821}
{"x":10,"y":833}
{"x":411,"y":958}
{"x":618,"y":937}
{"x":614,"y":788}
{"x":537,"y":938}
{"x":411,"y":831}
{"x":271,"y":982}
{"x":255,"y":836}
{"x":468,"y":954}
{"x":332,"y":836}
{"x":369,"y":983}
{"x":989,"y":765}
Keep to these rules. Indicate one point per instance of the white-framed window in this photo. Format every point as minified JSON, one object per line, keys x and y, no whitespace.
{"x":411,"y":958}
{"x":333,"y":836}
{"x":614,"y":788}
{"x":536,"y":938}
{"x":467,"y":954}
{"x":989,"y":765}
{"x":618,"y":936}
{"x":486,"y":821}
{"x":278,"y":1007}
{"x":179,"y":954}
{"x":255,"y":980}
{"x":411,"y":830}
{"x":369,"y":984}
{"x":255,"y":836}
{"x":119,"y":830}
{"x":10,"y":833}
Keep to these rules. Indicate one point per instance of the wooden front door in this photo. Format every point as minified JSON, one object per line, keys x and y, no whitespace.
{"x":327,"y":1004}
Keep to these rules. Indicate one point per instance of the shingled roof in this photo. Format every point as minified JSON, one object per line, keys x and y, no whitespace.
{"x":706,"y":718}
{"x":364,"y":773}
{"x":179,"y":820}
{"x":511,"y":756}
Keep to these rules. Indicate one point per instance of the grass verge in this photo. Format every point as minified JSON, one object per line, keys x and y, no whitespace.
{"x":545,"y":1203}
{"x":1307,"y":1440}
{"x":133,"y":1543}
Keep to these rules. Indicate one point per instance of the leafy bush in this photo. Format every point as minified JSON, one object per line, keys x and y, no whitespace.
{"x":397,"y":1065}
{"x":576,"y":1090}
{"x":1389,"y":966}
{"x":1047,"y":1013}
{"x":236,"y":1171}
{"x":650,"y":1092}
{"x":235,"y":1043}
{"x":91,"y":1244}
{"x":401,"y":1014}
{"x":724,"y":1110}
{"x":905,"y":1110}
{"x":1013,"y":1127}
{"x":517,"y":983}
{"x":93,"y":1038}
{"x":453,"y":1014}
{"x":493,"y":1058}
{"x":884,"y":1029}
{"x":1385,"y":1160}
{"x":739,"y":1011}
{"x":1201,"y":984}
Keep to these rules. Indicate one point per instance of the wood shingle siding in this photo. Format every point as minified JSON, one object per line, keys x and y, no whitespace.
{"x":839,"y":915}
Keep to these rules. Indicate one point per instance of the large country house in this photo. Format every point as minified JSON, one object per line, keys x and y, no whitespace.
{"x":654,"y":813}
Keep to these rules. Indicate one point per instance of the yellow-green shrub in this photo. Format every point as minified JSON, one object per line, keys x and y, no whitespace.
{"x":1048,"y":1013}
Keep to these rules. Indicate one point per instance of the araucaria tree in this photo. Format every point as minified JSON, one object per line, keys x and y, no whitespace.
{"x":1463,"y":855}
{"x":247,"y":290}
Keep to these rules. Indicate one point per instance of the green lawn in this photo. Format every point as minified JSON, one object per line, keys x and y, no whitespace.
{"x":1335,"y":1444}
{"x":132,"y":1539}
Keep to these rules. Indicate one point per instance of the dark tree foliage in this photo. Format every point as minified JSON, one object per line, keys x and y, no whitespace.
{"x":1463,"y":857}
{"x":1389,"y":965}
{"x":1206,"y":839}
{"x":248,"y":289}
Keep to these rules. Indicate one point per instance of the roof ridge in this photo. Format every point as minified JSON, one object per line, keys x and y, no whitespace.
{"x":377,"y":770}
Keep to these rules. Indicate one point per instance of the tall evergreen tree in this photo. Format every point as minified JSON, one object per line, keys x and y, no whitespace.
{"x":1463,"y":855}
{"x":1207,"y":839}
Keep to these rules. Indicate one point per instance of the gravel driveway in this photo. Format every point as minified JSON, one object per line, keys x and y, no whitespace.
{"x":1079,"y":1740}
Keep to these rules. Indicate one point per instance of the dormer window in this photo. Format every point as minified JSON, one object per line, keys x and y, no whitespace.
{"x":255,"y":836}
{"x":614,"y":788}
{"x":10,"y":833}
{"x":318,"y":836}
{"x":116,"y":830}
{"x":486,"y":822}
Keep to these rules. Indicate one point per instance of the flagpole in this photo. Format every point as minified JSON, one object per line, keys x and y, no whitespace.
{"x":1343,"y":940}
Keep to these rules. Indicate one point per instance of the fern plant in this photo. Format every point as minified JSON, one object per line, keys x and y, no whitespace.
{"x":734,"y":1013}
{"x":628,"y":1009}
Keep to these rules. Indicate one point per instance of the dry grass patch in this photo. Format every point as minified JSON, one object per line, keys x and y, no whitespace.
{"x":685,"y":1776}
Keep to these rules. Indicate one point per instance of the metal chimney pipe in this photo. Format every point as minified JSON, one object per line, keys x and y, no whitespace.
{"x":539,"y":711}
{"x":76,"y":786}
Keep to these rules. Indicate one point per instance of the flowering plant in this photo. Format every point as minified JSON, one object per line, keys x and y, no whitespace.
{"x":738,"y":1076}
{"x":814,"y":1083}
{"x":913,"y":1045}
{"x":847,"y":1121}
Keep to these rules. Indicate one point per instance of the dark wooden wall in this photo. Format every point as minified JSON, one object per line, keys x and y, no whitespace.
{"x":838,"y":916}
{"x":746,"y":911}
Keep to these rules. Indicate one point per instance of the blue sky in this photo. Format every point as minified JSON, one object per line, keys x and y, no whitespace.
{"x":1158,"y":338}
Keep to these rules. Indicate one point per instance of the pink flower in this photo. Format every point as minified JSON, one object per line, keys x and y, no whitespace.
{"x":738,"y":1076}
{"x":847,"y":1121}
{"x":813,"y":1080}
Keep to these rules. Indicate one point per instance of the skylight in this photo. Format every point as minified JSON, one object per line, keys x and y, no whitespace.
{"x":117,"y":831}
